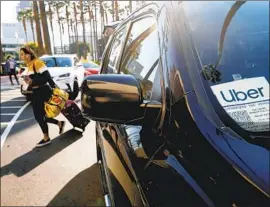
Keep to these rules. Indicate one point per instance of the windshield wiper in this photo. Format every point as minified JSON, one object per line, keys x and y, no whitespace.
{"x":210,"y":72}
{"x":236,"y":6}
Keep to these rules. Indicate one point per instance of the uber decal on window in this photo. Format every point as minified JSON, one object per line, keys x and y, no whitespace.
{"x":246,"y":101}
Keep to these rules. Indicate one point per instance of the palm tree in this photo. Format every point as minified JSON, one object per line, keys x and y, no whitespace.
{"x":130,"y":7}
{"x":106,"y":8}
{"x":45,"y":29}
{"x":68,"y":20}
{"x":21,"y":16}
{"x":38,"y":29}
{"x":82,"y":20}
{"x":116,"y":10}
{"x":50,"y":15}
{"x":30,"y":17}
{"x":113,"y":11}
{"x":72,"y":30}
{"x":57,"y":6}
{"x":101,"y":10}
{"x":91,"y":17}
{"x":95,"y":27}
{"x":76,"y":25}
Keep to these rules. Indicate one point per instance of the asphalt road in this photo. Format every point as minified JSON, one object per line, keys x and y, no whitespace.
{"x":64,"y":173}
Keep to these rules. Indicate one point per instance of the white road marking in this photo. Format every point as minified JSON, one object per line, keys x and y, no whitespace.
{"x":11,"y":100}
{"x":7,"y":95}
{"x":8,"y":114}
{"x":9,"y":87}
{"x":11,"y":124}
{"x":11,"y":107}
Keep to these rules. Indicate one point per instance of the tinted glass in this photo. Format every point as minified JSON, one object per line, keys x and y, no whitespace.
{"x":57,"y":61}
{"x":114,"y":55}
{"x":141,"y":54}
{"x":234,"y":37}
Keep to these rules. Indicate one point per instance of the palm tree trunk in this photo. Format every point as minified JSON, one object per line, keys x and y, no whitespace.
{"x":46,"y":36}
{"x":101,"y":15}
{"x":38,"y":29}
{"x":95,"y":30}
{"x":82,"y":21}
{"x":76,"y":27}
{"x":25,"y":30}
{"x":63,"y":28}
{"x":51,"y":23}
{"x":68,"y":24}
{"x":130,"y":7}
{"x":116,"y":10}
{"x":83,"y":27}
{"x":60,"y":27}
{"x":91,"y":29}
{"x":32,"y":28}
{"x":113,"y":10}
{"x":72,"y":30}
{"x":106,"y":17}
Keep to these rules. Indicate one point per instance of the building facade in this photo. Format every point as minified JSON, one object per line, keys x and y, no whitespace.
{"x":13,"y":35}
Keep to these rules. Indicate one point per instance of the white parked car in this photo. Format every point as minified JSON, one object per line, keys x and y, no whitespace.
{"x":66,"y":71}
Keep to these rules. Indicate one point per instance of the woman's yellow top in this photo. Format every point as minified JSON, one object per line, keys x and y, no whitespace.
{"x":40,"y":66}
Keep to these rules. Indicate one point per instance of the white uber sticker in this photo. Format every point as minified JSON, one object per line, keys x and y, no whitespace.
{"x":246,"y":101}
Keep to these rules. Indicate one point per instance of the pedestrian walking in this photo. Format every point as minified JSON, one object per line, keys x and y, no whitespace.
{"x":11,"y":69}
{"x":40,"y":79}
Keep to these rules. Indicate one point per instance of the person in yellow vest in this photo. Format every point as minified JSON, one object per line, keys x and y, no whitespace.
{"x":41,"y":82}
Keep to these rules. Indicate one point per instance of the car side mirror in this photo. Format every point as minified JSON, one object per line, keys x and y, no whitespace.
{"x":113,"y":98}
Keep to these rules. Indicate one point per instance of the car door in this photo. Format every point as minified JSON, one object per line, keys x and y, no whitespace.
{"x":120,"y":172}
{"x":142,"y":41}
{"x":138,"y":143}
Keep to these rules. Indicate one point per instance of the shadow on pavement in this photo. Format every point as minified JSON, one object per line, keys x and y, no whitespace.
{"x":83,"y":190}
{"x":8,"y":102}
{"x":27,"y":162}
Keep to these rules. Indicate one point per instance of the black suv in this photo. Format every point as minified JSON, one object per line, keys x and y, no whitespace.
{"x":182,"y":106}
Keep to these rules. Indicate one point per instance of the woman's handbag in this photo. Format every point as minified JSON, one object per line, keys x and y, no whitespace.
{"x":56,"y":103}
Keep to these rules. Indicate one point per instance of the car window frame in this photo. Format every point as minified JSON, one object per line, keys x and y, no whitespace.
{"x":152,"y":14}
{"x":124,"y":54}
{"x":143,"y":16}
{"x":105,"y":64}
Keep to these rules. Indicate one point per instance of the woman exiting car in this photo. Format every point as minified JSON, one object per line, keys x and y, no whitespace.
{"x":40,"y":80}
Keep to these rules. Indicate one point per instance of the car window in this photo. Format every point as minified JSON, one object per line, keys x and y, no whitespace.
{"x":141,"y":55}
{"x":115,"y":50}
{"x":57,"y":62}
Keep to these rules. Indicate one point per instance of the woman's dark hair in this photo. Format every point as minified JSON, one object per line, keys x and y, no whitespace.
{"x":29,"y":51}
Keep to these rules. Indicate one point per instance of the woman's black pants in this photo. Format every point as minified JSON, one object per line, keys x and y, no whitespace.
{"x":41,"y":95}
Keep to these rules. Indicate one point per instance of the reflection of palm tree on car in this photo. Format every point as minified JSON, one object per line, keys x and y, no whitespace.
{"x":131,"y":49}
